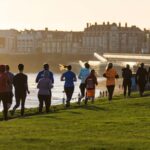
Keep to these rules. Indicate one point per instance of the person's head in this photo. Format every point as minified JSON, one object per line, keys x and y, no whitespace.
{"x":69,"y":67}
{"x":92,"y":72}
{"x":20,"y":67}
{"x":2,"y":68}
{"x":7,"y":67}
{"x":87,"y":65}
{"x":110,"y":65}
{"x":142,"y":65}
{"x":128,"y":66}
{"x":46,"y":74}
{"x":46,"y":66}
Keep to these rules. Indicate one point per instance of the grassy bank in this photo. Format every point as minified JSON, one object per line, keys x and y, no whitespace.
{"x":123,"y":124}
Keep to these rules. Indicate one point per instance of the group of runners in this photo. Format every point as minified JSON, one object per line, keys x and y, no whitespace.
{"x":45,"y":82}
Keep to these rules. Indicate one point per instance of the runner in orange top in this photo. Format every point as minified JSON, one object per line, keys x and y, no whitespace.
{"x":110,"y":74}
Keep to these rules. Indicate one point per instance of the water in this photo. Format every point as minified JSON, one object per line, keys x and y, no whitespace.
{"x":57,"y":92}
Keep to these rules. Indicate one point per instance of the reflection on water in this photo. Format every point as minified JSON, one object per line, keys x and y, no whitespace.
{"x":57,"y":92}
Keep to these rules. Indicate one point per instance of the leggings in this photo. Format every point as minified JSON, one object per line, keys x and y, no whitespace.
{"x":110,"y":89}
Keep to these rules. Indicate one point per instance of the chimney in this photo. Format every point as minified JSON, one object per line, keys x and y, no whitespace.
{"x":108,"y":23}
{"x":126,"y":25}
{"x":46,"y":29}
{"x":87,"y":25}
{"x":95,"y":23}
{"x":104,"y":23}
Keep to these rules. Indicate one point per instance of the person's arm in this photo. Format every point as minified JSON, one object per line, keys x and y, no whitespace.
{"x":27,"y":85}
{"x":50,"y":84}
{"x":123,"y":70}
{"x":75,"y":78}
{"x":52,"y":77}
{"x":130,"y":73}
{"x":38,"y":77}
{"x":116,"y":75}
{"x":14,"y":81}
{"x":136,"y":76}
{"x":104,"y":75}
{"x":62,"y":78}
{"x":8,"y":80}
{"x":38,"y":85}
{"x":80,"y":74}
{"x":96,"y":81}
{"x":146,"y":72}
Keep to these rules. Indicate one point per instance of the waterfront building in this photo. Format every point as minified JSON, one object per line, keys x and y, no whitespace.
{"x":112,"y":38}
{"x":62,"y":42}
{"x":8,"y":42}
{"x":29,"y":41}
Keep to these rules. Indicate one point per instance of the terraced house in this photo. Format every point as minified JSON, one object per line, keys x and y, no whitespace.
{"x":101,"y":38}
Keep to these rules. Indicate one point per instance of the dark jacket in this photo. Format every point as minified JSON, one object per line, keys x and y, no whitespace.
{"x":141,"y":75}
{"x":127,"y":74}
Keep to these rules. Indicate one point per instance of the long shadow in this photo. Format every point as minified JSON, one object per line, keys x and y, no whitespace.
{"x":29,"y":114}
{"x":55,"y":109}
{"x":91,"y":107}
{"x":58,"y":108}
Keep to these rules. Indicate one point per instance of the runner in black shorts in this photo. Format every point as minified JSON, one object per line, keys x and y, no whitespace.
{"x":21,"y":88}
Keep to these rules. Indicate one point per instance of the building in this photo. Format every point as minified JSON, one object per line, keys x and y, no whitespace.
{"x":146,"y":43}
{"x":100,"y":38}
{"x":112,"y":38}
{"x":29,"y":41}
{"x":62,"y":42}
{"x":8,"y":41}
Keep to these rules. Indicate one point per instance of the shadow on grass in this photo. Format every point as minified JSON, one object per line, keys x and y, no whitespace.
{"x":59,"y":108}
{"x":54,"y":109}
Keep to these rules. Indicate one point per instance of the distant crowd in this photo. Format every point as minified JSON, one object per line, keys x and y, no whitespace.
{"x":45,"y":82}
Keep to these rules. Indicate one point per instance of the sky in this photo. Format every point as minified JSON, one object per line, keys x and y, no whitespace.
{"x":72,"y":14}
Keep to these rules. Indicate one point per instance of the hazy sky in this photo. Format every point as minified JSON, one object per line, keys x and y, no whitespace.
{"x":72,"y":14}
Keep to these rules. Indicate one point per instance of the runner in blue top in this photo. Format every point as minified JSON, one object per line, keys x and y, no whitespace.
{"x":69,"y":77}
{"x":84,"y":73}
{"x":41,"y":74}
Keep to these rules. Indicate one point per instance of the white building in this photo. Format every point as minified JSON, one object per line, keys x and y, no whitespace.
{"x":29,"y":41}
{"x":8,"y":41}
{"x":62,"y":42}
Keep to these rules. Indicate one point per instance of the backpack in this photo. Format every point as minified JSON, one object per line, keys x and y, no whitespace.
{"x":90,"y":83}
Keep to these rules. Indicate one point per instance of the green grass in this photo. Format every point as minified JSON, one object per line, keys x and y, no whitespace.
{"x":123,"y":124}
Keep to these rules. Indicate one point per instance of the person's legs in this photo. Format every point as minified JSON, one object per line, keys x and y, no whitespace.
{"x":10,"y":97}
{"x":50,"y":97}
{"x":5,"y":108}
{"x":40,"y":97}
{"x":82,"y":89}
{"x":129,"y":88}
{"x":47,"y":102}
{"x":86,"y":100}
{"x":22,"y":104}
{"x":124,"y":87}
{"x":141,"y":88}
{"x":69,"y":92}
{"x":110,"y":89}
{"x":17,"y":97}
{"x":93,"y":98}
